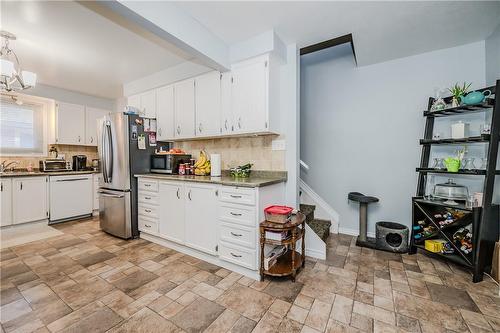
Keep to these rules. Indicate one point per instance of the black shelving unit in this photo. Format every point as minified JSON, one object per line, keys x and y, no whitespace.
{"x":485,"y":219}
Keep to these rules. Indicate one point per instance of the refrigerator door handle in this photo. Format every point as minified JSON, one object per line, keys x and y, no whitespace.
{"x":103,"y":153}
{"x":109,"y":152}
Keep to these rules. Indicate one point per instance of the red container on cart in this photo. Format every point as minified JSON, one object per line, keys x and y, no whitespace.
{"x":278,"y":214}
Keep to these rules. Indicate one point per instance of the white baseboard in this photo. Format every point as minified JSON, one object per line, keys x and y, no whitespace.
{"x":313,"y":253}
{"x":354,"y":232}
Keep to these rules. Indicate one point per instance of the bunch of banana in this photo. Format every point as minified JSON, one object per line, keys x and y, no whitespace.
{"x":202,"y":165}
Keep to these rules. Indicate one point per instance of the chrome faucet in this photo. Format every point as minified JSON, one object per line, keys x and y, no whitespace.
{"x":4,"y":165}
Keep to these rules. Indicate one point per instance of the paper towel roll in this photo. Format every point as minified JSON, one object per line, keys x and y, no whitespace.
{"x":216,"y":165}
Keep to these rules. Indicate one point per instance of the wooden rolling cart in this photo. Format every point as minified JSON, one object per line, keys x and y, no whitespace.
{"x":289,"y":263}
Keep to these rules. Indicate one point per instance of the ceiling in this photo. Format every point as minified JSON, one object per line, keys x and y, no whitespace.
{"x":381,"y":30}
{"x":72,"y":47}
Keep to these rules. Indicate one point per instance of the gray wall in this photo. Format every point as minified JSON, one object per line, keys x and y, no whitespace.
{"x":493,"y":57}
{"x":360,"y":125}
{"x":69,"y":96}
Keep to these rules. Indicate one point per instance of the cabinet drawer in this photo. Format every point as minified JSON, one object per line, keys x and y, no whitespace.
{"x":148,"y":225}
{"x":148,"y":210}
{"x":238,"y":214}
{"x":148,"y":185}
{"x":242,"y":196}
{"x":148,"y":198}
{"x":237,"y":255}
{"x":238,"y":235}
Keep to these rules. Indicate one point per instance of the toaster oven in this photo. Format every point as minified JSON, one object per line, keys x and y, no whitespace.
{"x":55,"y":165}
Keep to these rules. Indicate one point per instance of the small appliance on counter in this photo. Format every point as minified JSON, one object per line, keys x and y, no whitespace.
{"x":168,"y":163}
{"x":54,"y":165}
{"x":95,"y":164}
{"x":79,"y":162}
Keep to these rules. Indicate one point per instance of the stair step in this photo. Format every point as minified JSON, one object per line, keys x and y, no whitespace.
{"x":320,"y":227}
{"x":308,"y":211}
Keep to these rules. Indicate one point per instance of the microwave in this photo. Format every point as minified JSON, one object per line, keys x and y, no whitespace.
{"x":168,"y":163}
{"x":55,"y":165}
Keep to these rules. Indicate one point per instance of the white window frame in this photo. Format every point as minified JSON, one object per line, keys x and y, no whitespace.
{"x":47,"y":107}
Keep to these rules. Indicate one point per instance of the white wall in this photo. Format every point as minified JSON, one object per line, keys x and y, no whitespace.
{"x":360,"y":125}
{"x":69,"y":96}
{"x":493,"y":57}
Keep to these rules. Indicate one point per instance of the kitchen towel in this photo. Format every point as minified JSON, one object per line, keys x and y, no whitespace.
{"x":215,"y":165}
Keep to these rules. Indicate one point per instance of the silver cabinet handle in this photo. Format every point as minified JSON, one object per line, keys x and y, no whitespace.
{"x":235,"y":214}
{"x":147,"y":198}
{"x":178,"y":196}
{"x":147,"y":185}
{"x":235,"y":255}
{"x":147,"y":226}
{"x":189,"y":195}
{"x":199,"y":128}
{"x":239,"y":122}
{"x":147,"y":210}
{"x":235,"y":196}
{"x":91,"y":139}
{"x":236,"y":235}
{"x":110,"y":195}
{"x":178,"y":129}
{"x":1,"y":187}
{"x":21,"y":187}
{"x":71,"y":180}
{"x":79,"y":138}
{"x":225,"y":124}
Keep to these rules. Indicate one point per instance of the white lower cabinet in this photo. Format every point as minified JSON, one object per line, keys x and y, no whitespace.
{"x":220,"y":222}
{"x":29,"y":199}
{"x":201,"y":216}
{"x":6,"y":201}
{"x":171,"y":199}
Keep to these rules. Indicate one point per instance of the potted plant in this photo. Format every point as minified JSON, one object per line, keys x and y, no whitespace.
{"x":457,"y":91}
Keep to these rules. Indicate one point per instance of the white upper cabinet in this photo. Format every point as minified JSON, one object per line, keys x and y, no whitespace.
{"x":148,"y":104}
{"x":208,"y":104}
{"x":70,"y":124}
{"x":91,"y":116}
{"x":226,"y":109}
{"x":250,"y":96}
{"x":165,"y":113}
{"x":144,"y":102}
{"x":184,"y":118}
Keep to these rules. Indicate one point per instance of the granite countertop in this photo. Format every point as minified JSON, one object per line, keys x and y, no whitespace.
{"x":41,"y":173}
{"x":256,"y":179}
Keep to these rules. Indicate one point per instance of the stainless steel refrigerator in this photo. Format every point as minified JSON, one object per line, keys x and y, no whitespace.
{"x":121,"y":158}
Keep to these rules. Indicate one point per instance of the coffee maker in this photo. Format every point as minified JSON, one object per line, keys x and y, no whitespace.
{"x":79,"y":162}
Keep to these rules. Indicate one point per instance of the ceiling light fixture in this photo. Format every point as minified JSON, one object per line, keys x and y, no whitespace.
{"x":11,"y":76}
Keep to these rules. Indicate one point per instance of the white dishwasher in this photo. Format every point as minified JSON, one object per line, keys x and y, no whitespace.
{"x":71,"y":196}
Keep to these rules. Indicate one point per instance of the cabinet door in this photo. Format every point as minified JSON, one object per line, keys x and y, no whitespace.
{"x":29,"y":199}
{"x":134,"y":101}
{"x":148,"y":104}
{"x":249,"y":99}
{"x":91,"y":116}
{"x":6,"y":201}
{"x":201,"y":218}
{"x":70,"y":124}
{"x":172,"y":200}
{"x":165,"y":113}
{"x":184,"y":109}
{"x":208,"y":104}
{"x":226,"y":109}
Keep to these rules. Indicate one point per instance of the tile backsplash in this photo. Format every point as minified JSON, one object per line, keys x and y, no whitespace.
{"x":238,"y":151}
{"x":67,"y":150}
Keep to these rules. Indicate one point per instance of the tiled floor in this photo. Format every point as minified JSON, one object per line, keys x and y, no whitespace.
{"x":87,"y":281}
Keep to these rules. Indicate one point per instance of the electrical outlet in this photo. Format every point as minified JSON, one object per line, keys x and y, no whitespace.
{"x":278,"y":145}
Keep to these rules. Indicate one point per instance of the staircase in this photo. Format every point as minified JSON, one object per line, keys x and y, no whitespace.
{"x":320,"y":227}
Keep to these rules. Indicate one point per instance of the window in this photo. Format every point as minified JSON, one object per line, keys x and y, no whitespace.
{"x":22,"y":128}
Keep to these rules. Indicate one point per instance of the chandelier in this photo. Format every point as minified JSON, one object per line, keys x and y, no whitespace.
{"x":12,"y":78}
